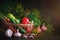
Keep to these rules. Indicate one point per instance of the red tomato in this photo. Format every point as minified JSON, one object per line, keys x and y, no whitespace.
{"x":28,"y":29}
{"x":24,"y":22}
{"x":25,"y":19}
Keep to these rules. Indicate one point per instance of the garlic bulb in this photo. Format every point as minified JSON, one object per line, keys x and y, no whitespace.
{"x":8,"y":33}
{"x":17,"y":34}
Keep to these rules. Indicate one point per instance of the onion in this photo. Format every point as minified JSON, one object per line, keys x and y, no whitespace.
{"x":8,"y":33}
{"x":44,"y":28}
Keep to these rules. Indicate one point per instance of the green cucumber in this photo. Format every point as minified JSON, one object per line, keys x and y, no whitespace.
{"x":17,"y":21}
{"x":12,"y":20}
{"x":22,"y":30}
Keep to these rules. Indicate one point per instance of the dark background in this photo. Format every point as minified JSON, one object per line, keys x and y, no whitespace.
{"x":49,"y":8}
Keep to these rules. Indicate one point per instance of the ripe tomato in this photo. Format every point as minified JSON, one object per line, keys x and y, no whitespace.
{"x":25,"y":19}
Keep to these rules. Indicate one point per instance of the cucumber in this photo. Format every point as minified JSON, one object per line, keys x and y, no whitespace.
{"x":17,"y":21}
{"x":22,"y":30}
{"x":12,"y":20}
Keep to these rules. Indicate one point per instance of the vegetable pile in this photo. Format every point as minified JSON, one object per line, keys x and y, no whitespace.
{"x":19,"y":22}
{"x":28,"y":26}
